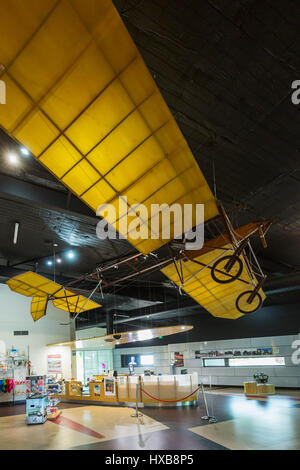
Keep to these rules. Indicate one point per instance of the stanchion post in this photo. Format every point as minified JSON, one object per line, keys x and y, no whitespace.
{"x":210,"y":419}
{"x":137,"y":414}
{"x":198,"y":391}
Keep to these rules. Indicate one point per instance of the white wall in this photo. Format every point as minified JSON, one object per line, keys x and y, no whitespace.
{"x":15,"y":315}
{"x":281,"y":376}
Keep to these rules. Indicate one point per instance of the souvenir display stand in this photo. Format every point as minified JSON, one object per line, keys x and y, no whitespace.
{"x":20,"y":372}
{"x":53,"y":387}
{"x":13,"y":372}
{"x":36,"y":409}
{"x":36,"y":401}
{"x":36,"y":385}
{"x":52,"y":411}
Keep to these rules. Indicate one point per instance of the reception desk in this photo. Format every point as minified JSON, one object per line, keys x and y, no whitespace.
{"x":166,"y":390}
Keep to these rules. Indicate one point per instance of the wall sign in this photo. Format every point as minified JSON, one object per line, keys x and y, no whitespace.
{"x":178,"y":359}
{"x":54,"y":364}
{"x":237,"y":352}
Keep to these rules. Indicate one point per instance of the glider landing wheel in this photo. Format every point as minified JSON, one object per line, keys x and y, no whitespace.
{"x":243,"y":305}
{"x":226,"y":269}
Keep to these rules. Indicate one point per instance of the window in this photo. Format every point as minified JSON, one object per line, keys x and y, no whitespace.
{"x":256,"y":361}
{"x":214,"y":363}
{"x":91,"y":363}
{"x":146,"y":360}
{"x":244,"y":362}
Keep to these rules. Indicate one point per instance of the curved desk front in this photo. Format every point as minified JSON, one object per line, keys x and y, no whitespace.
{"x":166,"y":390}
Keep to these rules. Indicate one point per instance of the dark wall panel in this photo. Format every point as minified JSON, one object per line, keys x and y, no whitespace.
{"x":269,"y":321}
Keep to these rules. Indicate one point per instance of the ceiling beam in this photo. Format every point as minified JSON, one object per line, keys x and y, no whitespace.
{"x":15,"y":189}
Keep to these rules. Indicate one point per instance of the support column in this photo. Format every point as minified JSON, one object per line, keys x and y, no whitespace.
{"x":109,"y":323}
{"x":73,"y":358}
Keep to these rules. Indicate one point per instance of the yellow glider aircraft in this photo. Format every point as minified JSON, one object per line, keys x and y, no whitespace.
{"x":81,"y":99}
{"x":42,"y":290}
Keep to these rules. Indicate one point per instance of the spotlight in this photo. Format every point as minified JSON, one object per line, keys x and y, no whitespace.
{"x":49,"y":262}
{"x":58,"y":260}
{"x":13,"y":159}
{"x":70,"y":255}
{"x":24,"y":151}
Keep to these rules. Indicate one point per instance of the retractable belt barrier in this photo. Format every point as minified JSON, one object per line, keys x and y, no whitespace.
{"x":170,"y":401}
{"x":210,"y":419}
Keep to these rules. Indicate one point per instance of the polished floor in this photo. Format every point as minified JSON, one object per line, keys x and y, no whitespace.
{"x":243,"y":424}
{"x":285,"y":392}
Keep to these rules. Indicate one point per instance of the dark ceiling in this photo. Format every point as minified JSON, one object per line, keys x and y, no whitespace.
{"x":225,"y":68}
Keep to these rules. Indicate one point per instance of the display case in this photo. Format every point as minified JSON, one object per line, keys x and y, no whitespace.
{"x":73,"y":388}
{"x":258,"y":389}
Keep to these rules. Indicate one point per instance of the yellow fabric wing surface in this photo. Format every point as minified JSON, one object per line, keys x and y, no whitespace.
{"x":33,"y":285}
{"x":74,"y":302}
{"x":38,"y":307}
{"x":218,"y":299}
{"x":80,"y":97}
{"x":39,"y":287}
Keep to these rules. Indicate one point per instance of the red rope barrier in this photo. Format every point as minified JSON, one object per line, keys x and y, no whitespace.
{"x":170,"y":401}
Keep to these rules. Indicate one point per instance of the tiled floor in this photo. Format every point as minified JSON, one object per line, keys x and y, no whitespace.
{"x":270,"y":423}
{"x":81,"y":426}
{"x":270,"y":431}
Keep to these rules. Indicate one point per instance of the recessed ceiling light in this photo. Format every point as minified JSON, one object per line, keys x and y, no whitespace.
{"x":13,"y":159}
{"x":58,"y":260}
{"x":70,"y":254}
{"x":16,"y":232}
{"x":24,"y":151}
{"x":49,"y":262}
